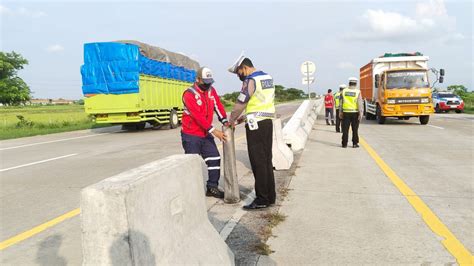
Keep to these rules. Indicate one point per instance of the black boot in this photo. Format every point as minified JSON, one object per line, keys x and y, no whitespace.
{"x":214,"y":192}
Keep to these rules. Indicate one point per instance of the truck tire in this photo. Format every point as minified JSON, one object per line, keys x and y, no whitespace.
{"x":458,"y":111}
{"x":424,"y":119}
{"x":379,"y":117}
{"x":174,"y":119}
{"x":140,"y":125}
{"x":134,"y":126}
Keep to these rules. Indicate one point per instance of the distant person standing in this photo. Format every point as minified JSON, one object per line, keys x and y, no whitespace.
{"x":329,"y":106}
{"x":350,"y":111}
{"x":257,"y":99}
{"x":337,"y":101}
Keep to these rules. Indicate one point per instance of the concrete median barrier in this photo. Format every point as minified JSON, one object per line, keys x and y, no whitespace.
{"x":282,"y":155}
{"x":152,"y":215}
{"x":298,"y":128}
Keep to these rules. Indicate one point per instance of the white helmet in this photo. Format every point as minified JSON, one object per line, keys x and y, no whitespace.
{"x":342,"y":86}
{"x":352,"y":79}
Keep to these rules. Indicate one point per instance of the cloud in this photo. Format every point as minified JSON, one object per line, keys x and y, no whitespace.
{"x":431,"y":8}
{"x":55,"y":48}
{"x":430,"y":20}
{"x":22,"y":11}
{"x":4,"y":10}
{"x":345,"y":65}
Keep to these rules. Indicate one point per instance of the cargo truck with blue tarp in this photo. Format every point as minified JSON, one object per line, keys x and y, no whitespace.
{"x":132,"y":83}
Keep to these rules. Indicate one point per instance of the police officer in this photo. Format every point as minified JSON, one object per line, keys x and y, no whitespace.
{"x":350,"y":111}
{"x":257,"y":99}
{"x":337,"y":100}
{"x":197,"y":132}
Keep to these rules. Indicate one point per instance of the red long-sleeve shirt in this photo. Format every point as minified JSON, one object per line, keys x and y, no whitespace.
{"x":199,"y":108}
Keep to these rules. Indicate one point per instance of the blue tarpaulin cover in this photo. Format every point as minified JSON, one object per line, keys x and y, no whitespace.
{"x":115,"y":67}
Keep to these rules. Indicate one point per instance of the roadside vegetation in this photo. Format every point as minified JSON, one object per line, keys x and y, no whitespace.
{"x":24,"y":121}
{"x":282,"y":95}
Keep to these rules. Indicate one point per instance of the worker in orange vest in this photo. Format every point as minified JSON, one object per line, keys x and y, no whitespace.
{"x":329,"y":105}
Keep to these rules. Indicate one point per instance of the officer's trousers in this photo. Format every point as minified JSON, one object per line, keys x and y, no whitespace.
{"x":259,"y":146}
{"x":338,"y":121}
{"x":350,"y":120}
{"x":206,"y":147}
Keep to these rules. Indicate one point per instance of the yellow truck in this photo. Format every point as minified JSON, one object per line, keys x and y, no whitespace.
{"x":397,"y":85}
{"x":131,"y":83}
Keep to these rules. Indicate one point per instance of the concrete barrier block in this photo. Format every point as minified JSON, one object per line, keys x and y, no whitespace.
{"x":282,"y":155}
{"x":154,"y":214}
{"x":298,"y":128}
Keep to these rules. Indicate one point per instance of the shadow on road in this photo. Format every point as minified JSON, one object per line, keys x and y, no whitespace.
{"x":48,"y":252}
{"x":133,"y":245}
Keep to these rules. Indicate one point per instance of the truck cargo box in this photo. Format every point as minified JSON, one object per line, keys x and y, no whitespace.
{"x":131,"y":82}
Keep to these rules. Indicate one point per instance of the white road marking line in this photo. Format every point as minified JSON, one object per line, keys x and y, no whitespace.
{"x":38,"y":162}
{"x":234,"y":220}
{"x":435,"y":127}
{"x":52,"y":141}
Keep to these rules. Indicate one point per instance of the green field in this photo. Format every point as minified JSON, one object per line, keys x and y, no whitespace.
{"x":23,"y":121}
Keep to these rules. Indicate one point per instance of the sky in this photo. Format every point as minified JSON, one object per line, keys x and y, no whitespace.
{"x":338,"y":36}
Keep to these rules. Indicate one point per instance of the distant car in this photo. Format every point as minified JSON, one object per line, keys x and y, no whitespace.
{"x":446,"y":101}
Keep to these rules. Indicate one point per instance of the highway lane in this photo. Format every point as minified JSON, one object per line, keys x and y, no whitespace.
{"x":436,"y":162}
{"x":34,"y":194}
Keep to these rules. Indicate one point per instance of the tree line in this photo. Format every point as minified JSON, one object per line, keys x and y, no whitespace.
{"x":13,"y":90}
{"x":282,"y":94}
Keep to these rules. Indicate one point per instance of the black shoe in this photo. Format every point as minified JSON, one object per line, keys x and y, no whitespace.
{"x":338,"y":131}
{"x":332,"y":124}
{"x":255,"y":206}
{"x":214,"y":192}
{"x":328,"y":124}
{"x":355,"y":146}
{"x":344,"y":146}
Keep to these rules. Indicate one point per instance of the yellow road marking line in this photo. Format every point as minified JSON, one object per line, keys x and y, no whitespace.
{"x":38,"y":229}
{"x":450,"y":242}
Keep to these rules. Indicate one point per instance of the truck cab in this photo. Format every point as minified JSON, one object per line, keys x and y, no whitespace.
{"x":404,"y":93}
{"x":397,"y":85}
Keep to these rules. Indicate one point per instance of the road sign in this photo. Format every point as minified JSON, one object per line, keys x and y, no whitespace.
{"x":307,"y":81}
{"x":308,"y":68}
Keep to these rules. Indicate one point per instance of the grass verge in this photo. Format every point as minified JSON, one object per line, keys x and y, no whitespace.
{"x":24,"y":121}
{"x":272,"y":219}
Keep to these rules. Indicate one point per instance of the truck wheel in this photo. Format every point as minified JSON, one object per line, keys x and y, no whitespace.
{"x":368,"y":116}
{"x":458,"y":111}
{"x":140,"y":126}
{"x":424,"y":119}
{"x":174,"y":120}
{"x":380,"y":118}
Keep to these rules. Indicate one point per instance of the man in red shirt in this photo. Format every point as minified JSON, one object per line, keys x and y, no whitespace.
{"x":329,"y":106}
{"x":197,"y":133}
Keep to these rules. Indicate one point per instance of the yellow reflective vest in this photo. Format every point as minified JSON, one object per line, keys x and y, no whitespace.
{"x":336,"y":99}
{"x":261,"y":103}
{"x":349,"y":100}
